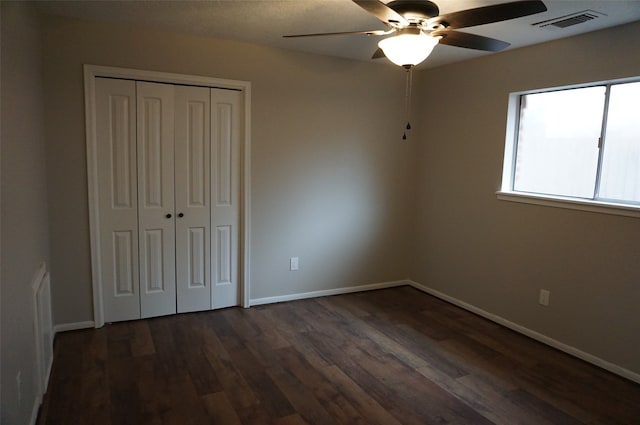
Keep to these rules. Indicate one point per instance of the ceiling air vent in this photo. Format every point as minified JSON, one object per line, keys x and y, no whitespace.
{"x":570,"y":20}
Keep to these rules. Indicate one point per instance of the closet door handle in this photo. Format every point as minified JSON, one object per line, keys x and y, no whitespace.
{"x":180,"y":215}
{"x":168,"y":215}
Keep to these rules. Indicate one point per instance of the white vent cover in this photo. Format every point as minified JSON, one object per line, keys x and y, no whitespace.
{"x":570,"y":20}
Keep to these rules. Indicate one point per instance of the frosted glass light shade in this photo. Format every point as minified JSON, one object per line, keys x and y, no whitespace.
{"x":408,"y":49}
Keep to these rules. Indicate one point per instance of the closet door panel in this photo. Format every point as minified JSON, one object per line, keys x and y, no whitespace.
{"x":193,"y":198}
{"x":156,"y":207}
{"x":117,"y":198}
{"x":226,"y":131}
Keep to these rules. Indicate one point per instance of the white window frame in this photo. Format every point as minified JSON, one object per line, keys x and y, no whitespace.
{"x":506,"y":192}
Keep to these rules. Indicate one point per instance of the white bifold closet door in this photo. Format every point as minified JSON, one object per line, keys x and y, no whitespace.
{"x":226,"y":129}
{"x":117,"y":190}
{"x":168,"y":176}
{"x":156,"y":203}
{"x":193,"y":199}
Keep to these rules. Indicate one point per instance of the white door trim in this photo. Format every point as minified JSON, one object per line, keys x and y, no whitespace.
{"x":90,"y":74}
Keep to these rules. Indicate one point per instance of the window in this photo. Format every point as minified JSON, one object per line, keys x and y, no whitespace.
{"x":579,"y":144}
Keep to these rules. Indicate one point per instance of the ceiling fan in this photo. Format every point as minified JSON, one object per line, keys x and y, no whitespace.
{"x":417,"y":27}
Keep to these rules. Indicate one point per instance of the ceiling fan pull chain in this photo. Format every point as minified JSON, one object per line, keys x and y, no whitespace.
{"x":409,"y":83}
{"x":409,"y":86}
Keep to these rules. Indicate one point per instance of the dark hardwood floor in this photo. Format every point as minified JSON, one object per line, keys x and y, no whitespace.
{"x":393,"y":356}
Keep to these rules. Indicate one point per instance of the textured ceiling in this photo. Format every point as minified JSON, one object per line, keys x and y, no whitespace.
{"x":265,"y":21}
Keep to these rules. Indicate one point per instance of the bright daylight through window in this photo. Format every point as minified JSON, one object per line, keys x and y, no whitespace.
{"x":580,"y":144}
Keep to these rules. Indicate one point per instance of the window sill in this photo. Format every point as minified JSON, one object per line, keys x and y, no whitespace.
{"x":573,"y":204}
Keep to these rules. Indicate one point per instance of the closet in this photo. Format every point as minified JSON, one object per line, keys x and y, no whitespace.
{"x":167,"y":197}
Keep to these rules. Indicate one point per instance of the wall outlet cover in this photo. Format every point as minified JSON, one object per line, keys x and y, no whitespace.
{"x":544,"y":297}
{"x":294,"y":263}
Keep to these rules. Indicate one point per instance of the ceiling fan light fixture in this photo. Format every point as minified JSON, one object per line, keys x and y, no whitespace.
{"x":408,"y":48}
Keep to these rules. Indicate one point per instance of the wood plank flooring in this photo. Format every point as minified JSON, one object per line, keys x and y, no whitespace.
{"x":393,"y":356}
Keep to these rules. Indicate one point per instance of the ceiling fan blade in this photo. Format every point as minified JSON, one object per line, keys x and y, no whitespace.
{"x":373,"y":32}
{"x":382,"y":12}
{"x":378,"y":54}
{"x":489,"y":14}
{"x":470,"y":41}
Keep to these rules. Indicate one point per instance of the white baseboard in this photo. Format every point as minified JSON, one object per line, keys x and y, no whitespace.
{"x":328,"y":292}
{"x":590,"y":358}
{"x":64,"y":327}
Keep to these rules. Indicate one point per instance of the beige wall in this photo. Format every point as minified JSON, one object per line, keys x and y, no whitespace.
{"x":25,"y":241}
{"x":497,"y":255}
{"x":330,"y":174}
{"x":333,"y":183}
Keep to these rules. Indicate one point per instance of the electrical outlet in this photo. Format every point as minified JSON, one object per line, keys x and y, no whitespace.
{"x":294,"y":263}
{"x":544,"y":297}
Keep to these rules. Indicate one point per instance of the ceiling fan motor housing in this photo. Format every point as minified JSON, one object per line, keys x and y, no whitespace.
{"x":415,"y":11}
